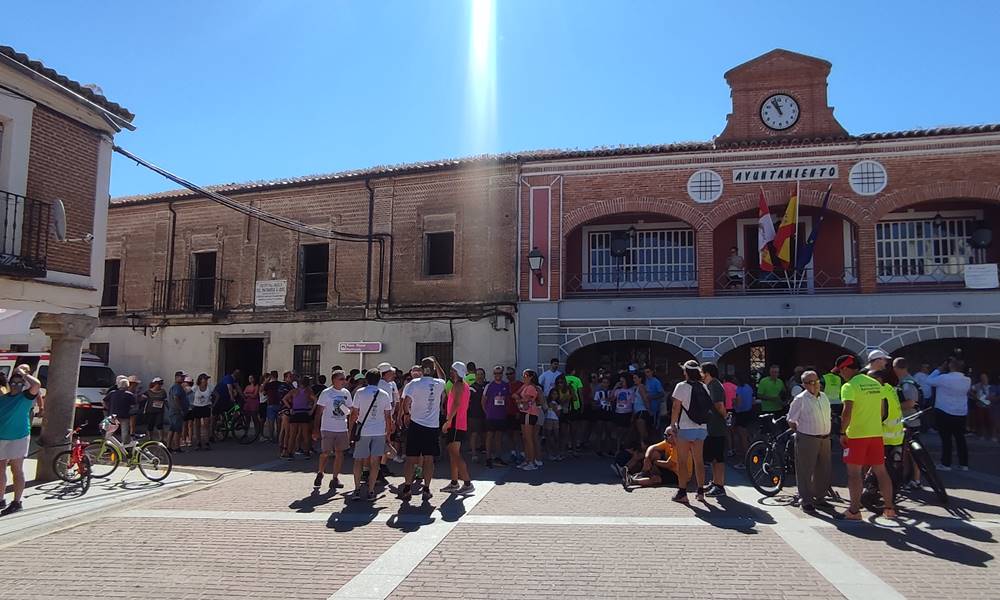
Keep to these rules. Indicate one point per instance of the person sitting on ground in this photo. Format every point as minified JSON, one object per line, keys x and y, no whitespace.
{"x":659,"y":465}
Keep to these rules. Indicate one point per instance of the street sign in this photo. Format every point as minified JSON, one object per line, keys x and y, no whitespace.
{"x":359,"y":347}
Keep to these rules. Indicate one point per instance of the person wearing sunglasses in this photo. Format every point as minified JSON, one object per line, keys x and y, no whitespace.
{"x":809,"y":418}
{"x":20,"y":396}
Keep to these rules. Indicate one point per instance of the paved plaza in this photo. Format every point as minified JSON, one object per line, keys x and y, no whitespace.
{"x":235,"y":523}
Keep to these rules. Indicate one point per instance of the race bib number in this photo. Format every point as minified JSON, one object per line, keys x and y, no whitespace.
{"x":499,"y":401}
{"x":157,"y":404}
{"x":622,"y":404}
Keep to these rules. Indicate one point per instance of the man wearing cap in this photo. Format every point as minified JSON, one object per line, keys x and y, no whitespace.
{"x":154,"y":401}
{"x":15,"y":431}
{"x":878,"y":360}
{"x":865,"y":407}
{"x":388,"y":385}
{"x":176,"y":408}
{"x":119,"y":404}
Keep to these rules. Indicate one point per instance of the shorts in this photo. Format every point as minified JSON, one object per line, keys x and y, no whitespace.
{"x":864,"y":451}
{"x":693,"y":434}
{"x":623,"y":419}
{"x":154,"y":420}
{"x":743,"y":419}
{"x":201,"y":412}
{"x":175,"y":422}
{"x":422,"y":441}
{"x":15,"y":449}
{"x":551,"y":425}
{"x":300,"y":417}
{"x":528,"y":419}
{"x":497,"y":425}
{"x":272,"y":412}
{"x":335,"y":440}
{"x":476,"y":423}
{"x":715,"y":449}
{"x":189,"y":415}
{"x":645,"y":416}
{"x":667,"y":477}
{"x":369,"y":446}
{"x":514,"y":422}
{"x":454,"y":435}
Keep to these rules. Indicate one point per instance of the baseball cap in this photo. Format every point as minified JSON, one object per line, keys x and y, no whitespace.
{"x":846,"y":361}
{"x":359,"y":377}
{"x":156,"y":380}
{"x":459,"y":368}
{"x":180,"y":374}
{"x":385,"y":367}
{"x":877,"y":354}
{"x":134,"y":379}
{"x":691,"y":365}
{"x":187,"y":379}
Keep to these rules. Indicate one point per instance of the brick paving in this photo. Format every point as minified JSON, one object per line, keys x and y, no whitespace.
{"x":175,"y":559}
{"x":489,"y":561}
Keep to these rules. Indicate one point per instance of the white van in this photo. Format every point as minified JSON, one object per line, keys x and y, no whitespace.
{"x":94,"y":381}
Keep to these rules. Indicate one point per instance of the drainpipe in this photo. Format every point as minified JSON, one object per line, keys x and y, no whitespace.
{"x":371,"y":232}
{"x":170,"y":254}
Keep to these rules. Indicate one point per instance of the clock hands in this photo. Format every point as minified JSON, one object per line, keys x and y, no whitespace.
{"x":774,"y":103}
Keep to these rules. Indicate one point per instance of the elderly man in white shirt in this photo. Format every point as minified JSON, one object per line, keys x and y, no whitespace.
{"x":951,"y":407}
{"x":809,"y":417}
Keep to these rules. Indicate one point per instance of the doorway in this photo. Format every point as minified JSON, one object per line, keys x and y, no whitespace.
{"x":245,"y":354}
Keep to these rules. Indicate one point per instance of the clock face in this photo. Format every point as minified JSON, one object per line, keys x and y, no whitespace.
{"x":779,"y":112}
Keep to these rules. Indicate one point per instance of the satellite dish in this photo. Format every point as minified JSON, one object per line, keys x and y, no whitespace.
{"x":58,"y":222}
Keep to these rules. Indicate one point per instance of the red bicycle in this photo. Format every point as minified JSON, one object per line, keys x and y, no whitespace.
{"x":73,"y":465}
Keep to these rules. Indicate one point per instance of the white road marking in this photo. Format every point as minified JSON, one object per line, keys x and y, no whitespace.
{"x":849,"y":576}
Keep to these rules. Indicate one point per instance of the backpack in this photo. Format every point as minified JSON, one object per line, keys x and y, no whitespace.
{"x":700,"y":405}
{"x":916,"y":386}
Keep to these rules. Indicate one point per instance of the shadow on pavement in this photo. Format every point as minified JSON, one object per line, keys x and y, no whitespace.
{"x":346,"y":520}
{"x":55,"y":490}
{"x":921,"y":541}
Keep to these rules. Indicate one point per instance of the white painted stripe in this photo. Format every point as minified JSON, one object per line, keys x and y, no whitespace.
{"x":849,"y":576}
{"x":382,"y":576}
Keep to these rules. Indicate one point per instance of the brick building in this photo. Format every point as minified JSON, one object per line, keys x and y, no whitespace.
{"x":636,"y":242}
{"x":55,"y":166}
{"x":205,"y":288}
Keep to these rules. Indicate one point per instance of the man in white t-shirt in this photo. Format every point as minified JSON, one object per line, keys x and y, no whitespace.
{"x":373,"y":410}
{"x":422,"y":416}
{"x":331,"y":425}
{"x":548,"y":378}
{"x":388,"y":384}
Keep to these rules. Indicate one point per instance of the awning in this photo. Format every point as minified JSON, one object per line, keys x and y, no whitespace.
{"x":15,"y":322}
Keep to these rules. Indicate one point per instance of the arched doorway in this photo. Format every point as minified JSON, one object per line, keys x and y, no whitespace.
{"x":617,"y":355}
{"x":752,"y":360}
{"x":979,"y":354}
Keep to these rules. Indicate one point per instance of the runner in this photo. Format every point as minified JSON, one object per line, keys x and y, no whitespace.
{"x":624,"y":403}
{"x":201,"y":410}
{"x":372,"y":409}
{"x":690,"y":397}
{"x":331,"y":426}
{"x":154,"y":405}
{"x":601,"y":414}
{"x":659,"y":465}
{"x":477,"y":415}
{"x":861,"y":434}
{"x":572,"y":416}
{"x":15,"y":432}
{"x":421,"y":410}
{"x":455,"y":426}
{"x":770,"y":391}
{"x":715,"y":443}
{"x":529,"y":402}
{"x":495,"y":398}
{"x":177,"y":407}
{"x":387,"y":384}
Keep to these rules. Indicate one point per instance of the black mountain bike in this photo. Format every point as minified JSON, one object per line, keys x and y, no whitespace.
{"x":237,"y":424}
{"x":899,"y":462}
{"x":771,"y":460}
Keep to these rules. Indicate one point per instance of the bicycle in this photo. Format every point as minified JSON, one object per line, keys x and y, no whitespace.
{"x":236,"y":423}
{"x":769,"y":461}
{"x":152,"y":458}
{"x":899,"y":465}
{"x":73,"y":465}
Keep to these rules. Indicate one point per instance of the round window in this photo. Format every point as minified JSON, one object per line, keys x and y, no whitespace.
{"x":868,"y":178}
{"x":705,"y":186}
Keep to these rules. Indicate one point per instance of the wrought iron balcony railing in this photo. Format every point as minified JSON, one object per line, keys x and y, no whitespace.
{"x":805,"y":281}
{"x":632,"y":281}
{"x":198,"y":295}
{"x":24,"y":235}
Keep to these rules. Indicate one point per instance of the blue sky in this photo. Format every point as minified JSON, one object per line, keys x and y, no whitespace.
{"x":247,"y":90}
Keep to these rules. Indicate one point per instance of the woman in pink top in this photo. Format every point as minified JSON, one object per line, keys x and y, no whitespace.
{"x":528,"y":400}
{"x":454,"y":428}
{"x":251,"y":401}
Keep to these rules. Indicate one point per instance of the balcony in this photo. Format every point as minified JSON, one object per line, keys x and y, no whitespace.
{"x":632,"y":281}
{"x":806,"y":281}
{"x":24,"y":235}
{"x":190,"y":296}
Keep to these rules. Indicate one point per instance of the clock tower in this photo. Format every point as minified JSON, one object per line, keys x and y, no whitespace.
{"x":779,"y":97}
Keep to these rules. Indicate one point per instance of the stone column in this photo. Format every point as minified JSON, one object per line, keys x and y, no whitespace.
{"x":67,"y":332}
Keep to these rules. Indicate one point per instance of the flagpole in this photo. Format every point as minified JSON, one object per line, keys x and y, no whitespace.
{"x":795,"y":247}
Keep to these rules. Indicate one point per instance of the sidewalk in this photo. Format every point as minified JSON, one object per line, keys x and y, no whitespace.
{"x":58,"y":502}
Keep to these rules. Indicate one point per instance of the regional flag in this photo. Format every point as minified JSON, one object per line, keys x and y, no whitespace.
{"x":805,"y":251}
{"x":783,"y":239}
{"x":765,"y":233}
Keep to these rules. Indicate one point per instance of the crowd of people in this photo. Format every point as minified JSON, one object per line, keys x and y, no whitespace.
{"x":657,"y":433}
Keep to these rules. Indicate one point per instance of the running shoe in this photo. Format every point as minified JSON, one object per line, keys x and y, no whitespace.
{"x":13,"y":507}
{"x":715,"y":491}
{"x":941,"y":467}
{"x":318,"y":481}
{"x":426,"y":494}
{"x":528,"y":467}
{"x":468,"y":488}
{"x":699,"y":494}
{"x":538,"y":463}
{"x":451,"y":488}
{"x":681,"y":497}
{"x":963,"y":468}
{"x":371,"y":496}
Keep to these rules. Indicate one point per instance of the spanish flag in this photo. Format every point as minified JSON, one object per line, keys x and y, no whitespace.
{"x":784,"y":238}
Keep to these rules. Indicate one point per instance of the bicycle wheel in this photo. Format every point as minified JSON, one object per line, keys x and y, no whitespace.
{"x":155,"y":462}
{"x":244,"y":429}
{"x":926,"y":465}
{"x":104,"y":458}
{"x":66,"y":468}
{"x":763,"y":469}
{"x":86,"y":474}
{"x":221,"y":430}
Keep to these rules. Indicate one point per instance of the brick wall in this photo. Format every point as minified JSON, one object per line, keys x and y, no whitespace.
{"x":479,"y":205}
{"x":63,"y":164}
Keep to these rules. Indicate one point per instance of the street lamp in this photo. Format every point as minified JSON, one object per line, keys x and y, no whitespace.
{"x":535,"y":261}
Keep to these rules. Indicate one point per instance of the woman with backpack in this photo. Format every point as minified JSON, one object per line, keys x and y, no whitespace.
{"x":689,"y":419}
{"x":623,"y":400}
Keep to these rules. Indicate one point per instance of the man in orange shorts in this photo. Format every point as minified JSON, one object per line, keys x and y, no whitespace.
{"x":865,"y":408}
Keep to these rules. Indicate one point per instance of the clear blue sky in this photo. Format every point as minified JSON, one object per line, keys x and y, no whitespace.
{"x":247,"y":90}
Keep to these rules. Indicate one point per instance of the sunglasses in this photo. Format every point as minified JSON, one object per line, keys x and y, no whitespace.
{"x":810,"y":382}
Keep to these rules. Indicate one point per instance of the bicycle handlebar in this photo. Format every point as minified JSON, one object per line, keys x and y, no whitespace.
{"x":916,"y":414}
